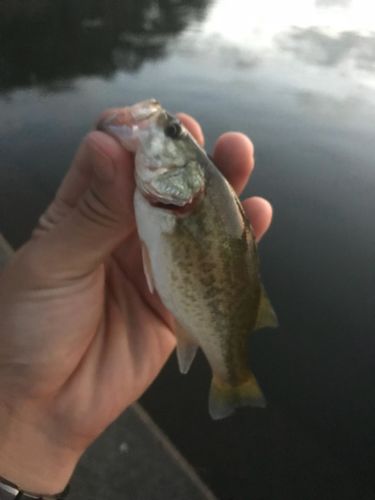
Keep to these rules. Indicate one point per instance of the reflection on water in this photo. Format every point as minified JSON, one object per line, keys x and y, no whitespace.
{"x":297,"y":76}
{"x":315,"y":46}
{"x":43,"y":41}
{"x":52,"y":44}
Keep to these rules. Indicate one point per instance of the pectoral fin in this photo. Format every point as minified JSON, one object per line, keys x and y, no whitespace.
{"x":147,"y":268}
{"x":266,"y":314}
{"x":186,"y":348}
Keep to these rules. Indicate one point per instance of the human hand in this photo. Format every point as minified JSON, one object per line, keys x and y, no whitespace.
{"x":82,"y":337}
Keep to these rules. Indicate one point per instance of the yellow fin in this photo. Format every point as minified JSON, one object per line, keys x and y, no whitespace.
{"x":147,"y":268}
{"x":186,"y":348}
{"x":266,"y":314}
{"x":224,"y":398}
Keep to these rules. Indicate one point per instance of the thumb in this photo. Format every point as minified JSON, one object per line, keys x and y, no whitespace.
{"x":99,"y":216}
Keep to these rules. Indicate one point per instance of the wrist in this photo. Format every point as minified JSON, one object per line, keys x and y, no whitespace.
{"x":33,"y":458}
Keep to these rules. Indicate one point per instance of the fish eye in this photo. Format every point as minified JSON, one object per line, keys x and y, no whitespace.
{"x":173,"y":129}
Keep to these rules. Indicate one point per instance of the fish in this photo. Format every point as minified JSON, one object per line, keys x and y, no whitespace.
{"x":199,"y":251}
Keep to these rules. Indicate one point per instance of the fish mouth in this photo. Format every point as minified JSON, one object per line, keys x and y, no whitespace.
{"x":144,"y":110}
{"x":129,"y":115}
{"x":182,"y":209}
{"x":125,"y":123}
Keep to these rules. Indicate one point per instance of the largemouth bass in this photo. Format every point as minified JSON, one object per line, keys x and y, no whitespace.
{"x":199,"y":251}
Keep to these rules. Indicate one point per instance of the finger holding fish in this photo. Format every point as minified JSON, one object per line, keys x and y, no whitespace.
{"x":233,"y":154}
{"x":100,"y":155}
{"x":259,"y":212}
{"x":193,"y":127}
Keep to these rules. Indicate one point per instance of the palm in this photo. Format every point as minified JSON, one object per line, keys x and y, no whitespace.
{"x":124,"y":342}
{"x":134,"y":359}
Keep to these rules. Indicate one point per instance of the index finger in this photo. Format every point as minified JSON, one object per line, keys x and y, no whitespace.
{"x":99,"y":150}
{"x":193,"y":127}
{"x":233,"y":153}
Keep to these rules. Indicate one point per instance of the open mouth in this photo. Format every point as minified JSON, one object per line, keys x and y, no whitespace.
{"x":179,"y":210}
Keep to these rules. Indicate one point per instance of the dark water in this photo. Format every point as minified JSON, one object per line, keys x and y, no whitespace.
{"x":299,"y":79}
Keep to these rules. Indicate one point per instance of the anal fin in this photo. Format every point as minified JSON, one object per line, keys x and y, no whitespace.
{"x":186,"y":348}
{"x":266,"y":314}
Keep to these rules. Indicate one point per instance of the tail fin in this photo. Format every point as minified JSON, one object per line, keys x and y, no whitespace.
{"x":224,"y":398}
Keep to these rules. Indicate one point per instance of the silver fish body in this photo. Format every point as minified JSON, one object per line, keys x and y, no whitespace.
{"x":199,"y":251}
